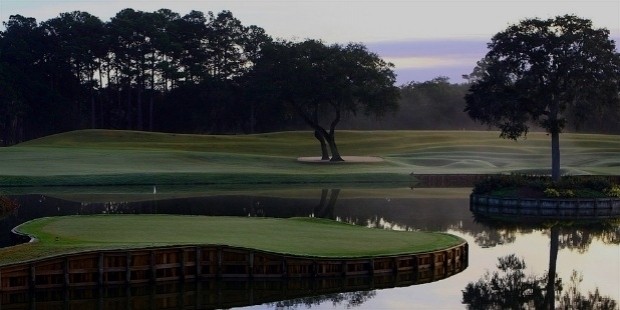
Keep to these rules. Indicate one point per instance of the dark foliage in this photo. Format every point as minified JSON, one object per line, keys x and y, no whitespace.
{"x":539,"y":71}
{"x":532,"y":185}
{"x":197,"y":73}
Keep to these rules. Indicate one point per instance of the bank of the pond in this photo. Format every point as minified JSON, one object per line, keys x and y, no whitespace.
{"x":297,"y":236}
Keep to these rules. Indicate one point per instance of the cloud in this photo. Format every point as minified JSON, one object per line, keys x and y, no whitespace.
{"x":424,"y":59}
{"x":423,"y":62}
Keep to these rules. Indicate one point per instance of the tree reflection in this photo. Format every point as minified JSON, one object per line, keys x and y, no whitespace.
{"x":325,"y":208}
{"x":511,"y":288}
{"x":578,"y":236}
{"x":348,"y":300}
{"x":508,"y":289}
{"x":573,"y":299}
{"x":573,"y":235}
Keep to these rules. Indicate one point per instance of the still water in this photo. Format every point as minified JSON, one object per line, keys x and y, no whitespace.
{"x":586,"y":251}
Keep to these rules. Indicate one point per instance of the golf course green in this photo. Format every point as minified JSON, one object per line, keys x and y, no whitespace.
{"x":121,"y":158}
{"x":113,"y":157}
{"x":296,"y":236}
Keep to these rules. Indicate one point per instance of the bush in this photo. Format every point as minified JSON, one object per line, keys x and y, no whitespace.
{"x":597,"y":184}
{"x":613,"y":191}
{"x":568,"y":186}
{"x":552,"y":193}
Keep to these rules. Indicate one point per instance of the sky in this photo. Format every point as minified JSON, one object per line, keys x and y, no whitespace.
{"x":424,"y":39}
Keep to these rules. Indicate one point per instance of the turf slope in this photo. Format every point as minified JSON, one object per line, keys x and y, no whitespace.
{"x":106,"y":157}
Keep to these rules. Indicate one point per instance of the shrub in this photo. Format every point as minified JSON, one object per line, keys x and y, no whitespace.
{"x":552,"y":193}
{"x":576,"y":183}
{"x":568,"y":193}
{"x":568,"y":186}
{"x":613,"y":191}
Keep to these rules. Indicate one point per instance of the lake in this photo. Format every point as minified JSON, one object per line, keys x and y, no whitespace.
{"x":589,"y":249}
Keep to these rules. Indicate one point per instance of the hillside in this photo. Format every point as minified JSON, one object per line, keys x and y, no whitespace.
{"x":102,"y":157}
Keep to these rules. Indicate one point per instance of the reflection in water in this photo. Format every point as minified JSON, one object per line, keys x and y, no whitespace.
{"x":212,"y":294}
{"x":513,"y":290}
{"x":294,"y":293}
{"x":573,"y":235}
{"x":442,"y":210}
{"x":348,"y":300}
{"x":400,"y":213}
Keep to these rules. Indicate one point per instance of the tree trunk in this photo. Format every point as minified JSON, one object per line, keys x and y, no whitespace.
{"x":334,"y":149}
{"x":553,"y":258}
{"x":151,"y":110}
{"x":129,"y":120}
{"x":324,"y":153}
{"x":140,"y":117}
{"x":319,"y":132}
{"x":92,"y":109}
{"x":331,"y":137}
{"x":555,"y":156}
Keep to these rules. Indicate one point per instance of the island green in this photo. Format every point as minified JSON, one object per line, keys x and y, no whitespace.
{"x":295,"y":236}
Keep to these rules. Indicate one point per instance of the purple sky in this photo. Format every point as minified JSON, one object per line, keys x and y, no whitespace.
{"x":423,"y":38}
{"x":422,"y":60}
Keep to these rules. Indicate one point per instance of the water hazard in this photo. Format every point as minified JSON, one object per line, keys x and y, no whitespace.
{"x":584,"y":256}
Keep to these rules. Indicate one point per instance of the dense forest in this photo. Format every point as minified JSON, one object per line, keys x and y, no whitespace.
{"x":160,"y":71}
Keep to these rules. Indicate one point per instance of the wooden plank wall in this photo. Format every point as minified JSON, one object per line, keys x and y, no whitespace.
{"x":111,"y":267}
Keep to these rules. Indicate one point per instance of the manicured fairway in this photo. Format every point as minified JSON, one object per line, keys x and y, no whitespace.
{"x":298,"y":236}
{"x":106,"y":157}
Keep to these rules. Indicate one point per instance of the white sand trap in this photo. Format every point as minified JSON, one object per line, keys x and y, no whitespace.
{"x":347,"y":159}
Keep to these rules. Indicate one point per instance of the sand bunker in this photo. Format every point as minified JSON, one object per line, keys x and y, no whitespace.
{"x":347,"y":159}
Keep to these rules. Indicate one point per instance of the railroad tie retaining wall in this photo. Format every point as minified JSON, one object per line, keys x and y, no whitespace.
{"x":182,"y":263}
{"x":551,"y":207}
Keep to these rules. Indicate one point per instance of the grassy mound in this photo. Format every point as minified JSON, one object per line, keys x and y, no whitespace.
{"x":297,"y":236}
{"x":108,"y":157}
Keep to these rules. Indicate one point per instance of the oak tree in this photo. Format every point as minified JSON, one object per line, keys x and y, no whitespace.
{"x":320,"y":83}
{"x":537,"y":70}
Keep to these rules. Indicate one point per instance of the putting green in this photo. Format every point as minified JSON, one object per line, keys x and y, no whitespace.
{"x":297,"y":236}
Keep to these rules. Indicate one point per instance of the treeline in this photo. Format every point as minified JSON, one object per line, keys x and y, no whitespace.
{"x":162,"y":71}
{"x":438,"y":105}
{"x":140,"y":70}
{"x":435,"y":104}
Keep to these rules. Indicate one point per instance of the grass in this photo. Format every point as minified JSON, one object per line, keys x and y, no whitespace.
{"x":297,"y":236}
{"x":108,"y":157}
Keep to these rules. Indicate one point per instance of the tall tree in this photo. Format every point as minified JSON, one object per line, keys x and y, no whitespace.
{"x":78,"y":41}
{"x":320,"y":82}
{"x":537,"y":69}
{"x":35,"y":86}
{"x":191,"y":32}
{"x":225,"y":37}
